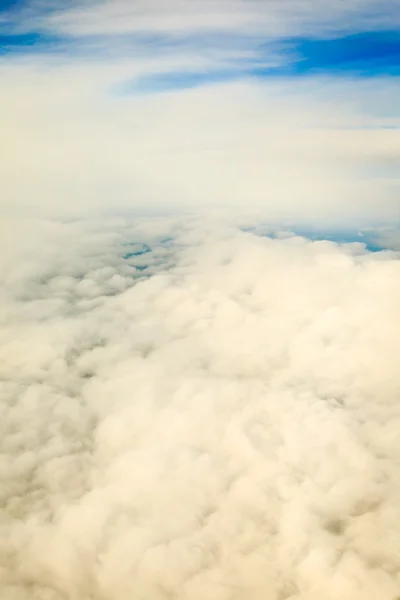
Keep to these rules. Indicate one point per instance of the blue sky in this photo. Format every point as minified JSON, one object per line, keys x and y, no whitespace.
{"x":363,"y":54}
{"x":364,"y":47}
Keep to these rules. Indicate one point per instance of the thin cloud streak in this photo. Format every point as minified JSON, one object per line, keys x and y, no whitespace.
{"x":266,"y":19}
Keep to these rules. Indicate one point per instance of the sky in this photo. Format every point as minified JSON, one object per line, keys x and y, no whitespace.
{"x":286,"y":109}
{"x":199,"y":291}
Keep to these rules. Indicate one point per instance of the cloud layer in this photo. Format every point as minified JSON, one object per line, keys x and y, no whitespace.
{"x":199,"y":407}
{"x":193,"y":411}
{"x":114,"y":106}
{"x":316,"y":149}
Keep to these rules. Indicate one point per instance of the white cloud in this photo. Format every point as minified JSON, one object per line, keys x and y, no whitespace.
{"x":190,"y":411}
{"x":227,"y":428}
{"x":281,"y":147}
{"x":269,"y":18}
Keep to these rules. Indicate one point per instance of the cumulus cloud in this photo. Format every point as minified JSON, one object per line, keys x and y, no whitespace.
{"x":195,"y":411}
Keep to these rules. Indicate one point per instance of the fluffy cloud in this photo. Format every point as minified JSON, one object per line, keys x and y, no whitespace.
{"x":193,"y":411}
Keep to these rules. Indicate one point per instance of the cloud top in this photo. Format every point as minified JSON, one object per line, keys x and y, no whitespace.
{"x":195,"y":411}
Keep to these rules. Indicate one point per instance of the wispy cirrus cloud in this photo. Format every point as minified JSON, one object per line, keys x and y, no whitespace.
{"x":206,"y":26}
{"x":269,"y":18}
